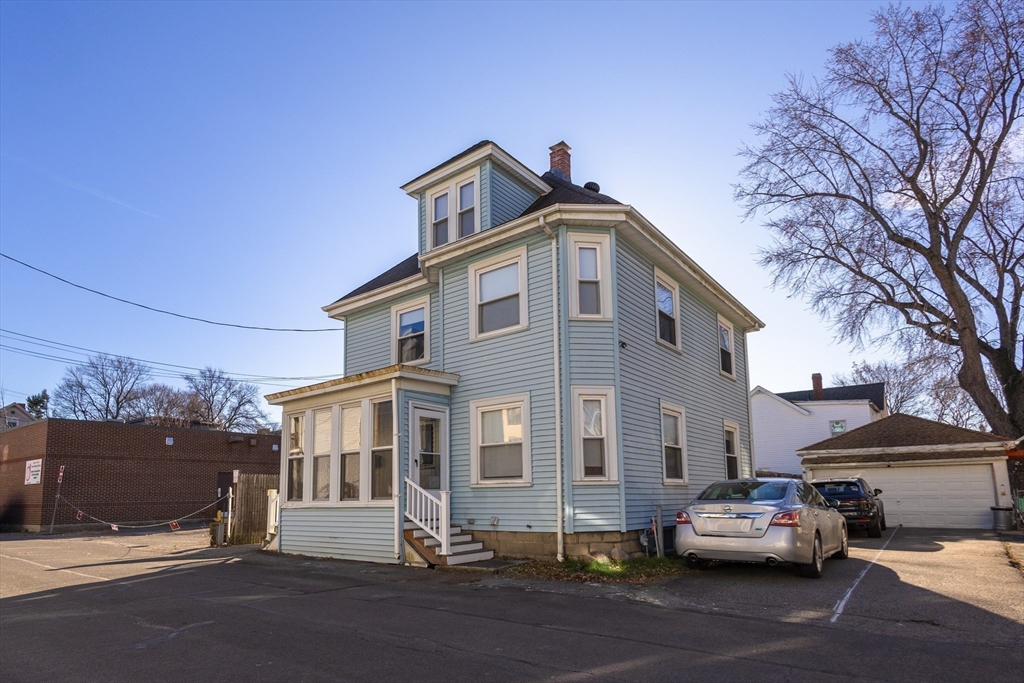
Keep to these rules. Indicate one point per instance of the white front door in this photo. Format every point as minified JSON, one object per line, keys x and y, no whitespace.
{"x":428,"y":461}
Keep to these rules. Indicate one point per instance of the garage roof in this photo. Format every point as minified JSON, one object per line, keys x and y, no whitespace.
{"x":902,"y":431}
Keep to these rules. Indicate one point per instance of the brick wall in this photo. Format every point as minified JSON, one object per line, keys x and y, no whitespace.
{"x":20,"y":505}
{"x":128,"y":473}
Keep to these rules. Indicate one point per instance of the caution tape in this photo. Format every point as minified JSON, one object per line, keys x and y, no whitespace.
{"x":117,"y":527}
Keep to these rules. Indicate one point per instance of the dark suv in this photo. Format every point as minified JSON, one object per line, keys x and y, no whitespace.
{"x":858,"y":503}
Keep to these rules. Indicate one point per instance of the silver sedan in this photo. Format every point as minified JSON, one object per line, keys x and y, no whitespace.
{"x":761,"y":520}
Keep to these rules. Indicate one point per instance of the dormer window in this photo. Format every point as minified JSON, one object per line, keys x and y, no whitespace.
{"x":461,"y":196}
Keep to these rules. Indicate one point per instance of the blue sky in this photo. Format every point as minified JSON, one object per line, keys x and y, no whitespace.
{"x":241,"y":162}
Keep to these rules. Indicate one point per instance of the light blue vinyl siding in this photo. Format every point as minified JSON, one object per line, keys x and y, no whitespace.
{"x":591,"y":353}
{"x":692,"y":379}
{"x":507,"y":197}
{"x":595,"y":507}
{"x":405,"y":438}
{"x":368,"y":337}
{"x":515,"y":363}
{"x":485,"y":195}
{"x":349,"y":533}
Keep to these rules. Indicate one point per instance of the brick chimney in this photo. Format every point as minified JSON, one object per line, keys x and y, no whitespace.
{"x":560,"y":161}
{"x":817,"y":393}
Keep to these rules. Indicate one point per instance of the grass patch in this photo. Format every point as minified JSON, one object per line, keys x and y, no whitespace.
{"x":639,"y":570}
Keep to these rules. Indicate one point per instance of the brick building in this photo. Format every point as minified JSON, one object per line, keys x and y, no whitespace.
{"x":121,"y":473}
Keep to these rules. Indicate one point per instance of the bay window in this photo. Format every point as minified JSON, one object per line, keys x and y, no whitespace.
{"x":322,"y":454}
{"x":590,"y":276}
{"x":595,"y":456}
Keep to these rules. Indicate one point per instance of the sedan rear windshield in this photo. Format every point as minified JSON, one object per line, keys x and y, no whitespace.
{"x":839,"y":489}
{"x":745,"y":490}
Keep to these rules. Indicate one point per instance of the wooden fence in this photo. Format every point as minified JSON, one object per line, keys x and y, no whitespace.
{"x":250,"y":514}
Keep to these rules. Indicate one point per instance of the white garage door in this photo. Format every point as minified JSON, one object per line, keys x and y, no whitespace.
{"x":942,"y":496}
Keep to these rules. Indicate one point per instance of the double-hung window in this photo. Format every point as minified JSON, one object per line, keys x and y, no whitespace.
{"x":351,"y":451}
{"x":453,"y":211}
{"x":498,"y":294}
{"x":732,"y":457}
{"x":666,"y":296}
{"x":725,"y":346}
{"x":410,"y":322}
{"x":382,"y":453}
{"x":595,"y":457}
{"x":500,"y":440}
{"x":322,"y":454}
{"x":673,"y":440}
{"x":589,"y":270}
{"x":296,"y":455}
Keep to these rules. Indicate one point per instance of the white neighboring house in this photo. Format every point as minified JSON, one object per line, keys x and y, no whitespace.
{"x":784,"y":422}
{"x":15,"y":415}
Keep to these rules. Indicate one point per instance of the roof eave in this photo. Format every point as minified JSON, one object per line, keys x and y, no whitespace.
{"x":492,"y":151}
{"x":342,"y":308}
{"x":371,"y":377}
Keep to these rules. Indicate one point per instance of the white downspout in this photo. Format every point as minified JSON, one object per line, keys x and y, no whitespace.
{"x":560,"y":530}
{"x":396,"y":466}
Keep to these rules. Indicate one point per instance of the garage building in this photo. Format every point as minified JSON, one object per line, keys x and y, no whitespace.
{"x":931,"y":474}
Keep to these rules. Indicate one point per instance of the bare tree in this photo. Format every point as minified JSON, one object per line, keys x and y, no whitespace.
{"x":165,"y":405}
{"x":218,"y":398}
{"x":894,"y":191}
{"x":104,"y":388}
{"x":905,"y":383}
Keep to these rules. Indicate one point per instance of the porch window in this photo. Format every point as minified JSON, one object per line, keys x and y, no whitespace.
{"x":411,"y":336}
{"x":666,"y":296}
{"x":322,"y":454}
{"x":594,"y":454}
{"x":732,"y":458}
{"x":382,"y":453}
{"x":725,"y":346}
{"x":497,"y":294}
{"x":673,"y":439}
{"x":500,"y":437}
{"x":351,"y":424}
{"x":296,"y":456}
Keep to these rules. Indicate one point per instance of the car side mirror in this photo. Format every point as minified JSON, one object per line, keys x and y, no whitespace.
{"x":832,"y":502}
{"x":878,"y":492}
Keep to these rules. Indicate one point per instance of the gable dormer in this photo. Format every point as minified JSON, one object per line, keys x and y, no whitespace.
{"x":475,"y":190}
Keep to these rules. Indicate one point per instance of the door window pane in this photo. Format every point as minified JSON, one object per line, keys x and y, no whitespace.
{"x":322,"y":477}
{"x":430,"y":453}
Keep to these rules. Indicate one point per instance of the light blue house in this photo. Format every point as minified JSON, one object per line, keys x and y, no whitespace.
{"x":544,"y":372}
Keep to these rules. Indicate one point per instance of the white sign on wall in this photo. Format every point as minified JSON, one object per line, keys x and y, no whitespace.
{"x":33,"y":471}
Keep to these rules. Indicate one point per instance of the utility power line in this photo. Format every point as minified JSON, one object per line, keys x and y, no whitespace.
{"x":159,"y":310}
{"x":46,"y":347}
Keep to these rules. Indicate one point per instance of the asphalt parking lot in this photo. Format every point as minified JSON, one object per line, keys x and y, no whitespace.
{"x":106,"y":607}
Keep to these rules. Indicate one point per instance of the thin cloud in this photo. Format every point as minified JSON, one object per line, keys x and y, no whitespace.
{"x":99,"y":194}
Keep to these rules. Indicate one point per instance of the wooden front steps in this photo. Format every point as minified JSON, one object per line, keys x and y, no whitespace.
{"x":464,"y":549}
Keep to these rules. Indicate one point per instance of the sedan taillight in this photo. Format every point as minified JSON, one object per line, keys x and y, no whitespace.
{"x":791,"y":518}
{"x":682,"y":518}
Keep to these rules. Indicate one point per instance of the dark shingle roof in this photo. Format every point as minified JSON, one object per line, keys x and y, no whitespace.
{"x":903,"y":430}
{"x":405,"y":269}
{"x":873,"y":392}
{"x":564,"y":192}
{"x":463,"y":153}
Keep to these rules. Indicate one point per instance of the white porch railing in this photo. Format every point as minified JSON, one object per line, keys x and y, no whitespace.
{"x":430,"y":513}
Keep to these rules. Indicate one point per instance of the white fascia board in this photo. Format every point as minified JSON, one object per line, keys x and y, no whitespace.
{"x":789,"y":404}
{"x":372,"y":377}
{"x":491,"y":151}
{"x":893,"y":450}
{"x":410,"y":285}
{"x":903,"y":463}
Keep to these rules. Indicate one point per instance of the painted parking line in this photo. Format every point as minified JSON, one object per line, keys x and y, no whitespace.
{"x":46,"y":566}
{"x":841,"y":605}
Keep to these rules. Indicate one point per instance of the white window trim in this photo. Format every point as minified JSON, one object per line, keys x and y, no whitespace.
{"x":604,"y":268}
{"x":491,"y":263}
{"x":607,"y":394}
{"x":399,"y":309}
{"x":680,"y":412}
{"x":718,"y":343}
{"x":734,"y":427}
{"x":414,"y":438}
{"x":662,"y":278}
{"x":475,"y":407}
{"x":452,"y":188}
{"x":365,"y":456}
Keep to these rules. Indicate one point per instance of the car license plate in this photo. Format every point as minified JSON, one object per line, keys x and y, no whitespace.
{"x":735,"y":525}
